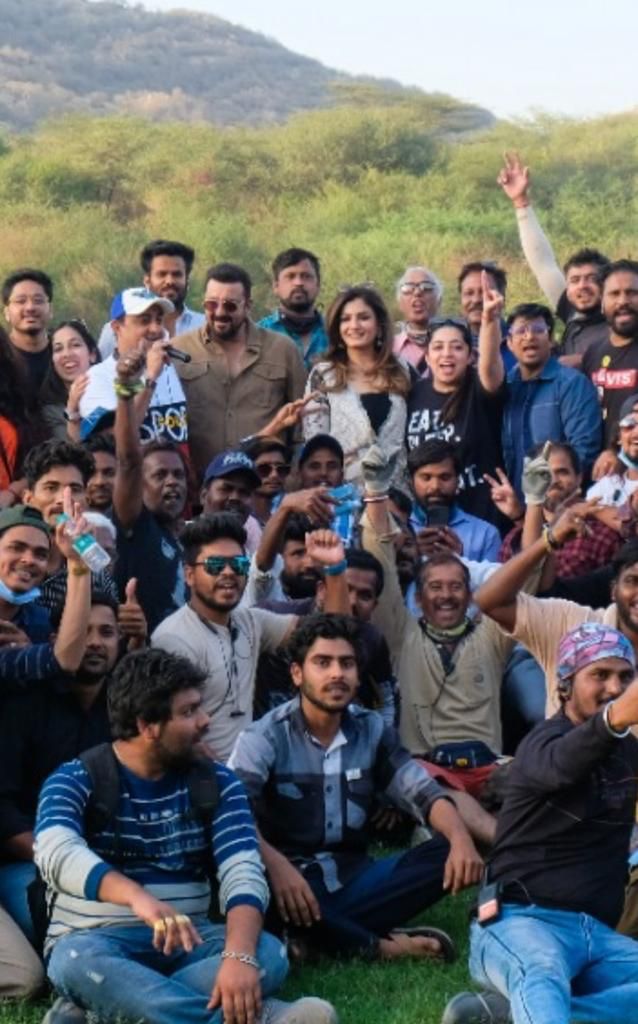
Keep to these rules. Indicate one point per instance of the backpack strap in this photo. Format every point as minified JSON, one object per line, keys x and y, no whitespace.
{"x":101,"y":809}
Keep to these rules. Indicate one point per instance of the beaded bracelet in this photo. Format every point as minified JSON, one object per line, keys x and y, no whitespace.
{"x":127,"y":391}
{"x":244,"y":958}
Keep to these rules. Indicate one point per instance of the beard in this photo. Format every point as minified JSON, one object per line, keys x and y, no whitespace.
{"x":215,"y":605}
{"x":299,"y":303}
{"x":298,"y":585}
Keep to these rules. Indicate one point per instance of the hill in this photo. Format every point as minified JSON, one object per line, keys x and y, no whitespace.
{"x":72,"y":56}
{"x":370,"y":188}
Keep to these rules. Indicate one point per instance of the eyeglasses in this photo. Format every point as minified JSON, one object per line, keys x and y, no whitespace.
{"x":421,"y":287}
{"x":627,"y":422}
{"x":533,"y":330}
{"x":266,"y":469}
{"x":229,"y":305}
{"x":35,"y":300}
{"x":214,"y":565}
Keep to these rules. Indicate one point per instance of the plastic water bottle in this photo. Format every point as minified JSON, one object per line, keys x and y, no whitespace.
{"x":92,"y":554}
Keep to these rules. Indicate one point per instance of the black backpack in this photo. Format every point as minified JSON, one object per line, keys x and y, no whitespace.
{"x":101,"y":810}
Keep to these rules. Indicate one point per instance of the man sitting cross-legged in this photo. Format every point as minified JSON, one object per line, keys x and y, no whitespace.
{"x":127,"y":844}
{"x":313,"y":767}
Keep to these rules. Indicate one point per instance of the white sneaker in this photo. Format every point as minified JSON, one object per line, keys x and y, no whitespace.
{"x":308,"y":1010}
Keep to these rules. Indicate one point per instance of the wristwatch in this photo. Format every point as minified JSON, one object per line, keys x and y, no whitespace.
{"x":72,"y":417}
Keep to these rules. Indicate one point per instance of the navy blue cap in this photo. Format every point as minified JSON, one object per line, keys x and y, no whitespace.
{"x":231,"y":462}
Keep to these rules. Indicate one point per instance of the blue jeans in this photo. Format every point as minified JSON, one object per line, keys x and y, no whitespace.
{"x":383,"y":895}
{"x":556,"y":966}
{"x":14,"y":879}
{"x":115,"y":972}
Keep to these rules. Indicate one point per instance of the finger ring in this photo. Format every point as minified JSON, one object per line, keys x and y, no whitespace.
{"x":159,"y":926}
{"x":182,"y":919}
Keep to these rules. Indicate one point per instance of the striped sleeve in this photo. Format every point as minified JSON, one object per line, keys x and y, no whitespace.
{"x":30,"y":664}
{"x":240,"y":871}
{"x":60,"y":851}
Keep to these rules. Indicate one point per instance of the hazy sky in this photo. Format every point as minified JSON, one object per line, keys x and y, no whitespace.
{"x":573,"y":57}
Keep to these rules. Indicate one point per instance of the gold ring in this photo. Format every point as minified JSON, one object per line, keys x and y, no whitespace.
{"x":182,"y":919}
{"x":159,"y":926}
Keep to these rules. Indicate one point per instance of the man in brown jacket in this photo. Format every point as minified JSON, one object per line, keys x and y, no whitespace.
{"x":239,"y":375}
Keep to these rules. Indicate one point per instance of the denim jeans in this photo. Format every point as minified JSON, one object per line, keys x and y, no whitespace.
{"x":557,"y":966}
{"x":383,"y":895}
{"x":14,"y":879}
{"x":115,"y":972}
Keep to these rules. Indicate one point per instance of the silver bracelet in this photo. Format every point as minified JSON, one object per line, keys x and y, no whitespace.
{"x":244,"y":958}
{"x":610,"y":729}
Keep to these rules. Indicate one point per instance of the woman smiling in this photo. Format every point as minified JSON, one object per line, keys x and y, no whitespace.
{"x":363,"y":386}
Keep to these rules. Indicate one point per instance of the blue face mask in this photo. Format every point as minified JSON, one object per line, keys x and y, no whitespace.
{"x":13,"y":598}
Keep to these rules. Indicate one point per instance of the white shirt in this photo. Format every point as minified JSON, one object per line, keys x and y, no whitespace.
{"x":166,"y":414}
{"x":612,"y":490}
{"x":229,"y":659}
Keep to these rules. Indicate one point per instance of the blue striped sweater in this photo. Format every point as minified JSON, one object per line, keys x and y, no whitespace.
{"x":159,"y":846}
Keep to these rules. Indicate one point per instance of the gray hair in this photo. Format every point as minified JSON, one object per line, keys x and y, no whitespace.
{"x":438,"y":285}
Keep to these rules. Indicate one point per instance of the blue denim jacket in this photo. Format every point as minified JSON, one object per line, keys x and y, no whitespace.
{"x":560,"y":404}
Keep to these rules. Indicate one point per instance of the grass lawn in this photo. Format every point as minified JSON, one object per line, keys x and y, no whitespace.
{"x":393,"y":993}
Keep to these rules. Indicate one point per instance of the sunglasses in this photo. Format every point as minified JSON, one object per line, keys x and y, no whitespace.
{"x":266,"y":469}
{"x":420,"y":287}
{"x":228,"y":305}
{"x":627,"y":422}
{"x":215,"y":564}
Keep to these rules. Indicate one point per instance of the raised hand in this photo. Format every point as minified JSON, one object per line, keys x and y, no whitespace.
{"x":131,"y":618}
{"x":289,"y":415}
{"x":504,"y":496}
{"x":572,"y":521}
{"x":493,"y":301}
{"x":313,"y":502}
{"x":77,"y":389}
{"x":378,"y":469}
{"x":156,"y":358}
{"x":129,"y":367}
{"x":514,"y":179}
{"x":325,"y":547}
{"x":537,"y":476}
{"x":70,"y":525}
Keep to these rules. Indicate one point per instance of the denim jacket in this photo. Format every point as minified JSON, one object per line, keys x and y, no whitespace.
{"x":559,"y":405}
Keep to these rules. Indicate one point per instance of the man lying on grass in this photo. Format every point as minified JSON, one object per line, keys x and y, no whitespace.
{"x":313,"y":768}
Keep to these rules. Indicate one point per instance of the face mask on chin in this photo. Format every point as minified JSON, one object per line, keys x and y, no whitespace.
{"x":26,"y":597}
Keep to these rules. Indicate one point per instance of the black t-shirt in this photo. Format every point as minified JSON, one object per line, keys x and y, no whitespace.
{"x":476,"y":429}
{"x":562,"y":836}
{"x":153,"y":555}
{"x":34,"y":366}
{"x":614,"y":372}
{"x":581,"y":330}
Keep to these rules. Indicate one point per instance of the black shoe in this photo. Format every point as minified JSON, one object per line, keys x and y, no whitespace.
{"x":477,"y":1008}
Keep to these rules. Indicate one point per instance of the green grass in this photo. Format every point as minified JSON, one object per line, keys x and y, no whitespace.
{"x":405,"y":992}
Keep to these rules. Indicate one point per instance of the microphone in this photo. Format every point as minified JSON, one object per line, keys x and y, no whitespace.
{"x":176,"y":353}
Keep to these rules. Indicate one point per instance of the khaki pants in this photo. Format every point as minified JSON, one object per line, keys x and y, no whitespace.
{"x":21,"y":972}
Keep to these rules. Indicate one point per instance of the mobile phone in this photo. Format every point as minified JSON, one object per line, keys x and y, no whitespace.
{"x":489,"y":903}
{"x":438,"y":515}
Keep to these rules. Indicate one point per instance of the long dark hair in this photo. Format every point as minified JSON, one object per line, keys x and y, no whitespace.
{"x":456,"y":399}
{"x":395,"y":378}
{"x":54,"y":391}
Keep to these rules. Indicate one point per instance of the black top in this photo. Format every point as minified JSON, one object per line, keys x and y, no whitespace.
{"x":377,"y":406}
{"x":562,"y":838}
{"x":39,"y":731}
{"x":614,"y":371}
{"x":153,"y":555}
{"x":476,"y":429}
{"x":34,"y":367}
{"x":581,"y":329}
